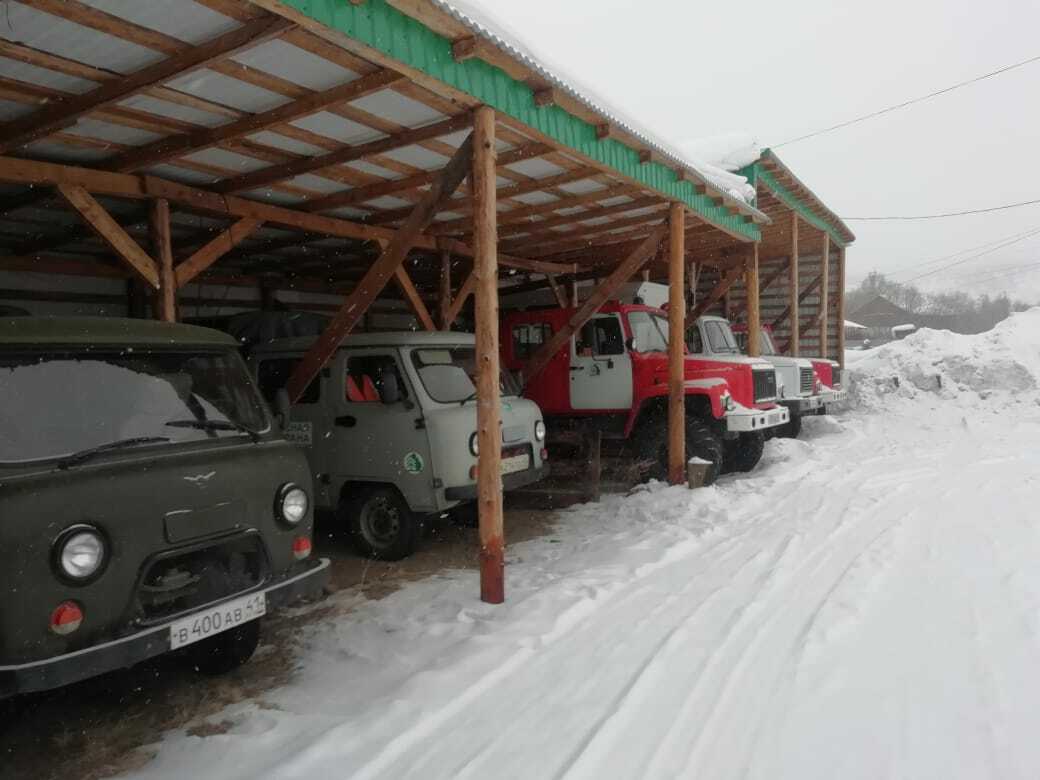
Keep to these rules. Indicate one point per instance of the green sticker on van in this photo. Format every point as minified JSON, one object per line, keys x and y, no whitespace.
{"x":413,"y":463}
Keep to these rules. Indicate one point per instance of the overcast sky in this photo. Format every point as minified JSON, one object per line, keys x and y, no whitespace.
{"x":782,"y":69}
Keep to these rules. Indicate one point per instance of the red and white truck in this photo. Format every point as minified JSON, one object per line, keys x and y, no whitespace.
{"x":828,"y":372}
{"x":613,"y":377}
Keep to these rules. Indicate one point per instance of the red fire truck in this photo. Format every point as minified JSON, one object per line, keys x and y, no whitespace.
{"x":613,"y":377}
{"x":828,"y":372}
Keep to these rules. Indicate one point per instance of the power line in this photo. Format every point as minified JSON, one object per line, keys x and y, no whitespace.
{"x":985,"y":245}
{"x":911,"y":102}
{"x":947,"y":214}
{"x":1030,"y":234}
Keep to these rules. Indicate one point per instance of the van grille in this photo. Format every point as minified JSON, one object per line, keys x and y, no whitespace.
{"x":805,"y":377}
{"x":765,"y":385}
{"x":194,"y":576}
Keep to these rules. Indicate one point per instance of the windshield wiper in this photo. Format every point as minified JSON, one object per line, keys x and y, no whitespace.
{"x":78,"y":457}
{"x":215,"y":425}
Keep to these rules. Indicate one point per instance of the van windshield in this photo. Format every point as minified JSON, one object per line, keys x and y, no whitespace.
{"x":56,"y":404}
{"x":449,"y":374}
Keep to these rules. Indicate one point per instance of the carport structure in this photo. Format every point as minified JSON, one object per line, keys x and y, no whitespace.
{"x":333,"y":146}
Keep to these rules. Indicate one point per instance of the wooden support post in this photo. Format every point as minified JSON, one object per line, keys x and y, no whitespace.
{"x":794,"y":342}
{"x":841,"y":306}
{"x":444,"y":299}
{"x":597,"y":298}
{"x":489,"y":412}
{"x":825,"y":276}
{"x":676,"y":345}
{"x":754,"y":316}
{"x":574,"y":293}
{"x":162,"y":247}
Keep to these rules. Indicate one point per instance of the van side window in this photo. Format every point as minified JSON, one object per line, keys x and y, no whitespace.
{"x":368,"y":374}
{"x":601,"y":336}
{"x":693,"y":340}
{"x":272,"y":375}
{"x":528,"y":337}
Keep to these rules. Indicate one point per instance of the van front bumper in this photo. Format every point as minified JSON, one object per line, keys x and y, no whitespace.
{"x":509,"y":482}
{"x":804,"y":405}
{"x":745,"y":420}
{"x":126,"y":651}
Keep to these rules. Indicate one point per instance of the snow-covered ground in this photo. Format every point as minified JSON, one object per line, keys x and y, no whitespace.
{"x":866,"y":604}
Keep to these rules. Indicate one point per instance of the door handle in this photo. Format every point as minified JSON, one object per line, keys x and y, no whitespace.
{"x":346,"y":421}
{"x":577,"y":368}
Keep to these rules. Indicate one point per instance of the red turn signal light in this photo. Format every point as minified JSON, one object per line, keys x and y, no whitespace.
{"x":301,"y":547}
{"x":545,"y":454}
{"x":66,"y":618}
{"x":473,"y":472}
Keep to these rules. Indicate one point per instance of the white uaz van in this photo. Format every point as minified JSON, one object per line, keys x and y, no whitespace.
{"x":389,"y":428}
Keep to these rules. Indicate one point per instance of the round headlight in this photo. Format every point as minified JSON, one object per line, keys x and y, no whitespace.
{"x":474,"y":444}
{"x":292,"y":503}
{"x":539,"y":431}
{"x":80,"y":553}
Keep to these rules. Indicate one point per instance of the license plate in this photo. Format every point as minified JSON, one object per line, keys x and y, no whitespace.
{"x":214,"y":620}
{"x":515,"y":463}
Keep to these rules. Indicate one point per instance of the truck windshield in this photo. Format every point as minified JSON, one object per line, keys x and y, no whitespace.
{"x":766,"y":343}
{"x":720,"y":337}
{"x":449,"y":374}
{"x":650,"y":331}
{"x":56,"y":404}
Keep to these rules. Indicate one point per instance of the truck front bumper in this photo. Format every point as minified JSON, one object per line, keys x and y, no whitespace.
{"x":126,"y":651}
{"x":753,"y":420}
{"x":512,"y":481}
{"x":805,"y":405}
{"x":833,"y":396}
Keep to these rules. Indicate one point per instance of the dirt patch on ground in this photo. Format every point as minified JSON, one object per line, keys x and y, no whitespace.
{"x":103,"y":726}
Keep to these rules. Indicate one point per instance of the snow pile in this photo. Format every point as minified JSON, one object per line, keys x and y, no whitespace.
{"x":991,"y":369}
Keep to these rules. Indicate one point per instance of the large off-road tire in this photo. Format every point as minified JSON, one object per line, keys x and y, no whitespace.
{"x":381,"y":523}
{"x":226,"y":651}
{"x":744,"y":452}
{"x":792,"y":428}
{"x":651,"y":442}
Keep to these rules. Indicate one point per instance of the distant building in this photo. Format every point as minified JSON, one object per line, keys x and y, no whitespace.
{"x":879,"y":316}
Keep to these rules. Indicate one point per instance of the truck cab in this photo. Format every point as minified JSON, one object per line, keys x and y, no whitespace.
{"x":613,"y":377}
{"x":799,"y":388}
{"x":828,"y":373}
{"x":389,"y":429}
{"x":149,"y":500}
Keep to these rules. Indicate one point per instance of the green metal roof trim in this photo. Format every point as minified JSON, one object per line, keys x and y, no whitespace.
{"x":384,"y":28}
{"x":757,"y":174}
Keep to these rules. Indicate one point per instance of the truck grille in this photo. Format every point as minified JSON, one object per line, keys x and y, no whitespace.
{"x":805,"y":377}
{"x":191,"y":577}
{"x":765,"y":385}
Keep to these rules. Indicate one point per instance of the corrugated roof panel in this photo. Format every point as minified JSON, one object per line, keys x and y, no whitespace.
{"x":388,"y":202}
{"x":205,"y":83}
{"x":270,"y":196}
{"x":119,"y":134}
{"x":404,"y":110}
{"x":582,"y":187}
{"x":23,"y":71}
{"x":444,"y":216}
{"x":348,"y":213}
{"x":170,"y":171}
{"x":418,"y":157}
{"x":535,"y":198}
{"x":296,"y":65}
{"x":279,"y":141}
{"x":374,"y":170}
{"x":237,"y":163}
{"x":174,"y":111}
{"x":59,"y":36}
{"x":317,"y":183}
{"x":11,"y":110}
{"x":181,"y":19}
{"x":60,"y":152}
{"x":337,"y":128}
{"x":536,"y":168}
{"x":617,"y":200}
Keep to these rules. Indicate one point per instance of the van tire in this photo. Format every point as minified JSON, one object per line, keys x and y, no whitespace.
{"x":792,"y":428}
{"x":226,"y":651}
{"x":744,"y":452}
{"x":381,"y":524}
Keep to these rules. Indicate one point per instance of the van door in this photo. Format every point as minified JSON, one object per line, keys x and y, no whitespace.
{"x":379,"y":433}
{"x":309,"y":417}
{"x":601,"y":370}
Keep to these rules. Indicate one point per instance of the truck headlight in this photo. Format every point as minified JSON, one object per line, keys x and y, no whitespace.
{"x":780,"y":388}
{"x":291,"y":503}
{"x":539,"y":431}
{"x":727,"y":402}
{"x":474,"y":444}
{"x":80,"y":553}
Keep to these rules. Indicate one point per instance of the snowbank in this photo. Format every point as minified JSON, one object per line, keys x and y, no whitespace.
{"x":991,"y":370}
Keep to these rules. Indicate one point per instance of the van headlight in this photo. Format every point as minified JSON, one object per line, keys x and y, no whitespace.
{"x":80,"y":553}
{"x":539,"y":431}
{"x":291,"y":503}
{"x":474,"y":444}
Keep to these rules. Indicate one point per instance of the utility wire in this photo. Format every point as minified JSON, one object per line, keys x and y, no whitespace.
{"x":910,"y":102}
{"x":947,"y":214}
{"x":1028,"y":235}
{"x":986,"y":245}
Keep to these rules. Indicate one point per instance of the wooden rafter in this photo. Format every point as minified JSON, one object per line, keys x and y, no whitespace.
{"x":162,"y":246}
{"x":720,"y":290}
{"x":624,"y":271}
{"x":372,"y":284}
{"x":460,"y":299}
{"x":214,"y":249}
{"x":557,"y":291}
{"x":414,"y":300}
{"x":809,"y":289}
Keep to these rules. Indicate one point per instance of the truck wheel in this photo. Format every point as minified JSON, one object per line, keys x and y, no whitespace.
{"x":382,"y":525}
{"x":651,"y":444}
{"x":703,"y":443}
{"x":226,"y":651}
{"x":744,"y":452}
{"x":791,"y":428}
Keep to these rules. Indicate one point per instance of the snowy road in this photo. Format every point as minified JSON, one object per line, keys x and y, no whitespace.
{"x":865,"y":605}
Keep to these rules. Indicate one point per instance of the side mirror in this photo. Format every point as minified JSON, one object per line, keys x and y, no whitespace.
{"x":631,"y":344}
{"x":389,"y":389}
{"x":282,"y":407}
